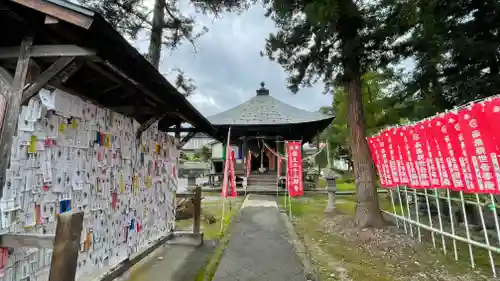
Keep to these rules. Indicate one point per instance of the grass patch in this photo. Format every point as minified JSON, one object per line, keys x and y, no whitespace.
{"x":344,"y":186}
{"x":212,"y":231}
{"x":328,"y":250}
{"x":331,"y":251}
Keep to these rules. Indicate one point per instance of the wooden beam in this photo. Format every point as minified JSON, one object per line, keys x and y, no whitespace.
{"x":197,"y":211}
{"x":131,"y":108}
{"x":58,"y":12}
{"x":32,"y":240}
{"x":45,"y":77}
{"x":139,"y":86}
{"x":144,"y":126}
{"x":66,"y":247}
{"x":33,"y":71}
{"x":69,"y":71}
{"x":50,"y":20}
{"x":178,"y":130}
{"x":104,"y":72}
{"x":185,"y":139}
{"x":11,"y":114}
{"x":48,"y":51}
{"x":182,"y":130}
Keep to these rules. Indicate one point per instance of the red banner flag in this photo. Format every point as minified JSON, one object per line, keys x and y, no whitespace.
{"x":4,"y":260}
{"x":389,"y":134}
{"x":439,"y":151}
{"x":492,"y":118}
{"x":374,"y":149}
{"x":401,"y":159}
{"x":384,"y":159}
{"x":427,"y":134}
{"x":279,"y":166}
{"x":459,"y":152}
{"x":450,"y":146}
{"x":232,"y":174}
{"x":294,"y":175}
{"x":479,"y":147}
{"x":407,"y":157}
{"x":249,"y":163}
{"x":224,"y":190}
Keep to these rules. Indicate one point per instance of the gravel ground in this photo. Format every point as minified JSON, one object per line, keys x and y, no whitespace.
{"x":343,"y":252}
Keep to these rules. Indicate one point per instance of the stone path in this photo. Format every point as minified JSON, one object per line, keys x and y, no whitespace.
{"x":259,"y":247}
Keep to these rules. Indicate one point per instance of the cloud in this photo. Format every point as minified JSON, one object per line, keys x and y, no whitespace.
{"x":227,"y":66}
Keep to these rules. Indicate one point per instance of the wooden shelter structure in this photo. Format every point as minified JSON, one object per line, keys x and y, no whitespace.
{"x":57,"y":44}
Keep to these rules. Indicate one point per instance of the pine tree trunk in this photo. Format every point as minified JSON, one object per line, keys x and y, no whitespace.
{"x":367,"y":205}
{"x":154,"y":51}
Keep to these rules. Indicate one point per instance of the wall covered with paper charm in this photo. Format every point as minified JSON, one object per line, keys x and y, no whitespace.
{"x":71,"y":155}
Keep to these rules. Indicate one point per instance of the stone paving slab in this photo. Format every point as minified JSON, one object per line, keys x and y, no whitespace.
{"x":259,"y":247}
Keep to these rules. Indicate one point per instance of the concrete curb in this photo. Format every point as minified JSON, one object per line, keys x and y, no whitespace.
{"x":223,"y":242}
{"x":134,"y":260}
{"x":300,"y":249}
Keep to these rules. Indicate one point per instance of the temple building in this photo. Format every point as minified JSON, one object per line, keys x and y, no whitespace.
{"x":262,"y":124}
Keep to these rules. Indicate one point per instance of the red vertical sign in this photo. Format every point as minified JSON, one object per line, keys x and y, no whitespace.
{"x":2,"y":109}
{"x":294,"y":176}
{"x":419,"y":155}
{"x":478,"y":146}
{"x":427,"y":135}
{"x":4,"y":260}
{"x":407,"y":158}
{"x":393,"y":155}
{"x":374,"y":149}
{"x":249,"y":163}
{"x":232,"y":175}
{"x":401,"y":155}
{"x":384,"y":159}
{"x":439,"y":151}
{"x":492,"y":116}
{"x":279,"y":166}
{"x":224,"y":191}
{"x":456,"y":139}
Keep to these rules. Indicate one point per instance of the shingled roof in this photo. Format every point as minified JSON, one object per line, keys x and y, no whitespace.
{"x":263,"y":109}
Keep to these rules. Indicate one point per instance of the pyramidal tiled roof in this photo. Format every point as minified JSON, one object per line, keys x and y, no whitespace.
{"x":263,"y":109}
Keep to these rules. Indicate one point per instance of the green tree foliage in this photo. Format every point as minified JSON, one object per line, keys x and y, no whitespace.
{"x":455,"y":48}
{"x":380,"y":106}
{"x":204,"y":153}
{"x":334,"y":40}
{"x":166,"y":25}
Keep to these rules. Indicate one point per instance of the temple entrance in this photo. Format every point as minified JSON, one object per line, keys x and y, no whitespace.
{"x":256,"y":161}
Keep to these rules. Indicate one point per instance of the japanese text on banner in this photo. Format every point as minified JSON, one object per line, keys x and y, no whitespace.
{"x":294,"y":176}
{"x":233,"y":176}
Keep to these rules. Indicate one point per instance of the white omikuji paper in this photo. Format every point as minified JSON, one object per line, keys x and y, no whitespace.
{"x":70,"y":164}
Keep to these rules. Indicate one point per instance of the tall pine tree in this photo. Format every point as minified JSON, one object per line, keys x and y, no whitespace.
{"x":334,"y":40}
{"x":166,"y":25}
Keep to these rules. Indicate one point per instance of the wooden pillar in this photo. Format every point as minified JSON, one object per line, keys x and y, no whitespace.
{"x":197,"y":211}
{"x":244,"y":154}
{"x":178,"y":130}
{"x":66,"y":247}
{"x":13,"y":102}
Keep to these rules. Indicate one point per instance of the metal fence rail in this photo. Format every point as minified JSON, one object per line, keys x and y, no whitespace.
{"x":441,"y":216}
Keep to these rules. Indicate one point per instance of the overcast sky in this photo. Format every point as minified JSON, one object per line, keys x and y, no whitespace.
{"x":228,"y":68}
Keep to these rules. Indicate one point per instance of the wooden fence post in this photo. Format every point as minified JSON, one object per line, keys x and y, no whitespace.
{"x":66,"y":247}
{"x":197,"y":211}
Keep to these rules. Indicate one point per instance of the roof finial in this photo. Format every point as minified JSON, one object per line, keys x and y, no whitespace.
{"x":262,"y":91}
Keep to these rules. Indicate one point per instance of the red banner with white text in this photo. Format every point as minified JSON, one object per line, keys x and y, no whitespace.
{"x":233,"y":176}
{"x":294,"y":173}
{"x":459,"y":150}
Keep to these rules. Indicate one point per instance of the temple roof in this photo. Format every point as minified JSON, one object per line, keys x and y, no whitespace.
{"x":263,"y":109}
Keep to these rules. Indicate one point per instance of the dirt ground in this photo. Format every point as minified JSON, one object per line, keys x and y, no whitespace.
{"x":341,"y":252}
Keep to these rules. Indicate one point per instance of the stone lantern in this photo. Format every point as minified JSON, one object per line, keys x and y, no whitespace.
{"x":331,"y":187}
